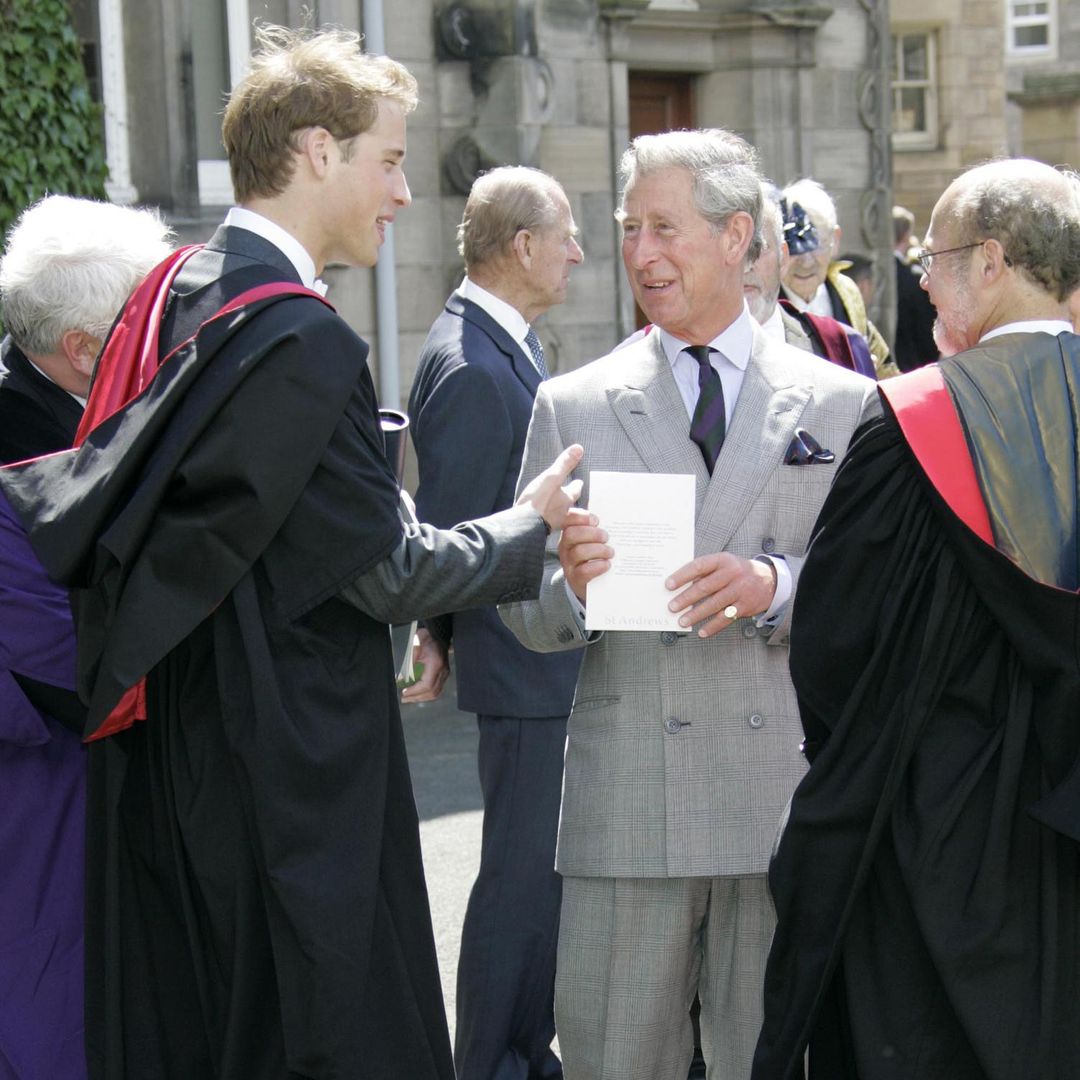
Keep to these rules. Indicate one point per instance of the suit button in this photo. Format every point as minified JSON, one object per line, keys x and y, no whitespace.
{"x":672,"y":725}
{"x":756,"y":721}
{"x":749,"y":629}
{"x":768,"y":545}
{"x":668,"y":637}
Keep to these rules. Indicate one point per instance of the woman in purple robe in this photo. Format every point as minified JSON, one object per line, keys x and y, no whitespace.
{"x":43,"y":780}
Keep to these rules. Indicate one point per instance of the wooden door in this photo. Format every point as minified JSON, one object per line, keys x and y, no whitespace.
{"x":658,"y":103}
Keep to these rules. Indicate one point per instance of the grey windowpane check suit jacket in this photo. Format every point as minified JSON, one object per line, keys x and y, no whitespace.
{"x":682,"y":752}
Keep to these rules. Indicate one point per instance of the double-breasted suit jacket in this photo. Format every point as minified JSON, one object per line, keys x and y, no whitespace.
{"x":682,"y":751}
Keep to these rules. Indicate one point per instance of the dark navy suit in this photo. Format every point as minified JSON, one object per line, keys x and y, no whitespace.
{"x":469,"y":414}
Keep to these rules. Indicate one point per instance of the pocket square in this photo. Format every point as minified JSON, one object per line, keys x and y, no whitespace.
{"x":804,"y":449}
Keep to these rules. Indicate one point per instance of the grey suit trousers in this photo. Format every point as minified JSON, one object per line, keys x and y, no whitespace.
{"x":632,"y":954}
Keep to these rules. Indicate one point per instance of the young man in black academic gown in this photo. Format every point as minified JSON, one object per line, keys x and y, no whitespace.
{"x":257,"y":907}
{"x":927,"y":885}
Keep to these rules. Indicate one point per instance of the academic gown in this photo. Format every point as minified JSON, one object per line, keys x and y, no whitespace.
{"x":256,"y":900}
{"x":926,"y":883}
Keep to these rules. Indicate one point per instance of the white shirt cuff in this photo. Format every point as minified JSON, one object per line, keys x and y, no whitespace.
{"x":775,"y":611}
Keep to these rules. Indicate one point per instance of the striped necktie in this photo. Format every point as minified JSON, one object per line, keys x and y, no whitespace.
{"x":709,"y":423}
{"x":537,"y":351}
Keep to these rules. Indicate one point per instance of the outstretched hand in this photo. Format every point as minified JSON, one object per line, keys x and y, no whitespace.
{"x":546,"y":494}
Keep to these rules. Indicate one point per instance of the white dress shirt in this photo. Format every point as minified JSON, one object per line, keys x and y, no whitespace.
{"x":506,"y":315}
{"x":285,"y":242}
{"x":1029,"y":326}
{"x":731,"y":353}
{"x":774,"y":326}
{"x":819,"y":304}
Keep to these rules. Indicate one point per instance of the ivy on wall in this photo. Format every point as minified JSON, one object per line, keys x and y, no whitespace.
{"x":50,"y":129}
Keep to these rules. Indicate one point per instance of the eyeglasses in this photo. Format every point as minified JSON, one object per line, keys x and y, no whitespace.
{"x":925,"y":258}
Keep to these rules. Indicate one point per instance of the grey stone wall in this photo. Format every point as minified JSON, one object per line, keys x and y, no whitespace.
{"x":545,"y":83}
{"x":971,"y":98}
{"x":1044,"y":96}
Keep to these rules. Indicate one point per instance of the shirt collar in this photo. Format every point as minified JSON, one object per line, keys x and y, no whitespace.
{"x":285,"y":242}
{"x":818,"y":304}
{"x":506,"y":315}
{"x":1029,"y":326}
{"x":735,"y":341}
{"x":773,"y":326}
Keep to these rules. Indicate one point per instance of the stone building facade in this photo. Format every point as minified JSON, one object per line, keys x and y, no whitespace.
{"x":1042,"y":73}
{"x":559,"y":84}
{"x":948,"y":78}
{"x":977,"y":79}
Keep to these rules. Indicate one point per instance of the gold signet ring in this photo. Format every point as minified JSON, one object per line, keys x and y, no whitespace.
{"x":731,"y":612}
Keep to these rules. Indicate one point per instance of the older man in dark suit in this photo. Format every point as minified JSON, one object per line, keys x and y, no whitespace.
{"x":68,"y":266}
{"x":470,"y":408}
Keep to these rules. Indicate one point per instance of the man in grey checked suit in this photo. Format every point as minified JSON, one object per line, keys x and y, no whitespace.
{"x":683,"y":748}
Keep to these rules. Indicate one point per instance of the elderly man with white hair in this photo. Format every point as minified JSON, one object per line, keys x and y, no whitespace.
{"x":781,"y":320}
{"x":814,"y":281}
{"x":68,"y":266}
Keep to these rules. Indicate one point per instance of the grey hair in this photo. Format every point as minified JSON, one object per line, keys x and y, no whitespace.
{"x":772,"y":222}
{"x":816,"y":201}
{"x":724,"y":167}
{"x":501,"y":203}
{"x":1036,"y":221}
{"x":69,"y":264}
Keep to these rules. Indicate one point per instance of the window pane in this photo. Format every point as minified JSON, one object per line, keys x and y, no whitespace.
{"x":895,"y":59}
{"x":1028,"y":9}
{"x":911,"y":115}
{"x":915,"y":66}
{"x":1031,"y":37}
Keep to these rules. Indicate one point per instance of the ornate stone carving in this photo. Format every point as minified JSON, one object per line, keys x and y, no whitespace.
{"x":875,"y":113}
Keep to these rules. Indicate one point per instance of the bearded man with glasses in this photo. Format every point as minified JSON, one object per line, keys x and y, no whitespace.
{"x":927,"y":885}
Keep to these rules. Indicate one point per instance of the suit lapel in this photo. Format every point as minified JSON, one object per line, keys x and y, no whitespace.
{"x":766,"y":415}
{"x":521,"y":365}
{"x":651,"y":411}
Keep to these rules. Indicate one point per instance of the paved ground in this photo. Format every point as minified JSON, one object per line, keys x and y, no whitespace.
{"x":442,"y":757}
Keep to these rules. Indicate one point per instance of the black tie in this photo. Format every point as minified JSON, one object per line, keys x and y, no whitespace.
{"x":709,"y":423}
